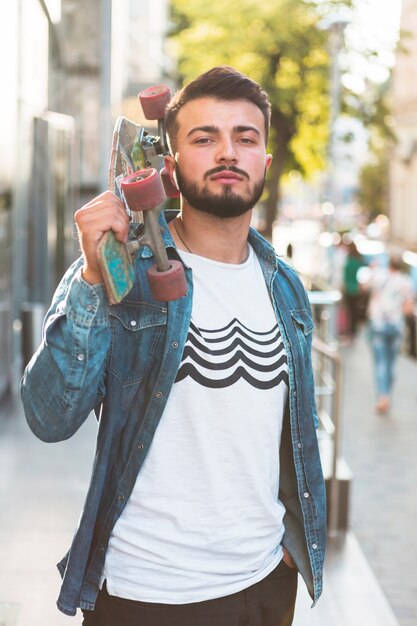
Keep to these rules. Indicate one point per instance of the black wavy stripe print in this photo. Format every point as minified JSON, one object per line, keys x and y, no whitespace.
{"x":249,"y":352}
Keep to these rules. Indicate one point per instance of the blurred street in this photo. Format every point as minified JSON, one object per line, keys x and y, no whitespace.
{"x":381,"y":451}
{"x":42,"y":488}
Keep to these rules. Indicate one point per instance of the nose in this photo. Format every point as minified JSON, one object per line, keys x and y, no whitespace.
{"x":226,"y":152}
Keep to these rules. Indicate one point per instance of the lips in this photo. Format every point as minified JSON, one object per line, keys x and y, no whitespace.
{"x":226,"y":176}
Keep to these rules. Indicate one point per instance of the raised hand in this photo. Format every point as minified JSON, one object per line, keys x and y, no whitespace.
{"x":103,"y":213}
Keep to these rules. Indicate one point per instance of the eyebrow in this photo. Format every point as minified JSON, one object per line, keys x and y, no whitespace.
{"x":214,"y":129}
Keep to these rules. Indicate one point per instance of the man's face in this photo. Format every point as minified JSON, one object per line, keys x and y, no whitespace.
{"x":220,"y":163}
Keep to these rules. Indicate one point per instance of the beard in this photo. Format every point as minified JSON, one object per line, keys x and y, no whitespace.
{"x":225,"y":204}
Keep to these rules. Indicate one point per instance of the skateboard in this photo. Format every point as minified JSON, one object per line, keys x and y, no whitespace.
{"x":143,"y":189}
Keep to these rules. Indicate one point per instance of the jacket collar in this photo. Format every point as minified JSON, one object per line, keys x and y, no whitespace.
{"x":263,"y":249}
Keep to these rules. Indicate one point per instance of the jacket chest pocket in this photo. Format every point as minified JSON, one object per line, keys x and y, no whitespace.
{"x":138,"y":332}
{"x":304,"y":327}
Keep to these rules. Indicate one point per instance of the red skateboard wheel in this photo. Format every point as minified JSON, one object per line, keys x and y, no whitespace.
{"x":154,"y":101}
{"x":169,"y":285}
{"x":143,"y":190}
{"x":170,"y":190}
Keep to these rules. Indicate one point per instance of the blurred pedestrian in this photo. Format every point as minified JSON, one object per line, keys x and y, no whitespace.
{"x":352,"y":290}
{"x":207,"y":496}
{"x":391,"y":299}
{"x":337,"y":266}
{"x":338,"y":258}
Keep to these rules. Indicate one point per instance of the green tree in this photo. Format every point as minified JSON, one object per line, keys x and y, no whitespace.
{"x":279,"y":43}
{"x":373,"y":188}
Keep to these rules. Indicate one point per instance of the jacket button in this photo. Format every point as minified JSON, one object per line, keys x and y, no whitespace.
{"x":314,"y":546}
{"x":140,"y":446}
{"x":174,"y":344}
{"x":80,"y":357}
{"x":158,"y":394}
{"x":121,"y":497}
{"x":306,"y":494}
{"x":133,"y":323}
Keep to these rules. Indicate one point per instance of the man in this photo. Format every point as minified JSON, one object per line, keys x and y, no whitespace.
{"x":207,"y":495}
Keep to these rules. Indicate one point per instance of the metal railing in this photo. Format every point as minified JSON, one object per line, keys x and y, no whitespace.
{"x":328,"y":373}
{"x":327,"y":364}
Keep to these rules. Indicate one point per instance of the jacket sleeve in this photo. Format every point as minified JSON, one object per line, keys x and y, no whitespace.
{"x":65,"y":379}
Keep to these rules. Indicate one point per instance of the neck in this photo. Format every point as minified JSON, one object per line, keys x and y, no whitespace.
{"x":215,"y":238}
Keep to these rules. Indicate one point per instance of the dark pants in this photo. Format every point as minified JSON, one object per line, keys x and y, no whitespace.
{"x":353,"y":303}
{"x":267,"y":603}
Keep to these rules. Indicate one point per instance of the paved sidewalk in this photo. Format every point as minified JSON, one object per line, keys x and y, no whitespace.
{"x":42,"y":487}
{"x":382,"y":453}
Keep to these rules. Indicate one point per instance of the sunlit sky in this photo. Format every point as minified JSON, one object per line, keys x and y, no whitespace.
{"x":375,"y":26}
{"x":378,"y":20}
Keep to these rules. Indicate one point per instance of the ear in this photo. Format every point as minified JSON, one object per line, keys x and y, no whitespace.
{"x":170,"y":166}
{"x":268,"y":161}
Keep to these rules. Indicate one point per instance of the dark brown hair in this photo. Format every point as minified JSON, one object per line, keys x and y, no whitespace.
{"x":222,"y":83}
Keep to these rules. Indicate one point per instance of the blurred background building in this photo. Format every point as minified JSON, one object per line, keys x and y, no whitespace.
{"x":403,"y":180}
{"x":68,"y":68}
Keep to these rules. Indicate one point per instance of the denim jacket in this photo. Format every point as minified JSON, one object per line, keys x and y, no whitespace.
{"x":121,"y":361}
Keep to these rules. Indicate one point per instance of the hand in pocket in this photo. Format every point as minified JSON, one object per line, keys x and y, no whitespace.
{"x":288,"y":560}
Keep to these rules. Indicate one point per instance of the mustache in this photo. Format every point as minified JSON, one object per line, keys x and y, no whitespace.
{"x":226,"y":168}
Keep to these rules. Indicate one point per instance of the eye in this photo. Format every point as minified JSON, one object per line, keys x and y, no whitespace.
{"x":247,"y":140}
{"x":202,"y":140}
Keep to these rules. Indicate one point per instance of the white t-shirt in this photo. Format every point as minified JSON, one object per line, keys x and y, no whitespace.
{"x":204,"y":519}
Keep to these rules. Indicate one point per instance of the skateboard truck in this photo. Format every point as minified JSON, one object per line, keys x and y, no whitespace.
{"x":143,"y":191}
